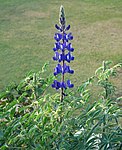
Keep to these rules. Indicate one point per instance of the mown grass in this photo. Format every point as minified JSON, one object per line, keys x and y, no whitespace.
{"x":27,"y":29}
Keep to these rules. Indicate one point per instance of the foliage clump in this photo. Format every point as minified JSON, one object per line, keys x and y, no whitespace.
{"x":32,"y":119}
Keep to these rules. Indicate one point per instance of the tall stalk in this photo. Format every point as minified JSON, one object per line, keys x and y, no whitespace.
{"x":62,"y":44}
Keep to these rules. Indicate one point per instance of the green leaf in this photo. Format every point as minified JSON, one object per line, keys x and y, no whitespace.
{"x":10,"y":105}
{"x":45,"y":67}
{"x":4,"y":147}
{"x":12,"y":112}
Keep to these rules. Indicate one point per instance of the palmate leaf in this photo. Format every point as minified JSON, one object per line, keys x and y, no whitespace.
{"x":111,"y":140}
{"x":3,"y":95}
{"x":95,"y":114}
{"x":12,"y":112}
{"x":11,"y":105}
{"x":90,"y":107}
{"x":92,"y":131}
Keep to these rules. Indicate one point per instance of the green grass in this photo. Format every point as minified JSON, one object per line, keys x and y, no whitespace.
{"x":27,"y":29}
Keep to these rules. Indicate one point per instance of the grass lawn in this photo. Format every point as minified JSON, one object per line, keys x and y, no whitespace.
{"x":27,"y":30}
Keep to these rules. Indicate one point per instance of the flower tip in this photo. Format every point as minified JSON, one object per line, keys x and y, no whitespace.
{"x":62,"y":8}
{"x":72,"y":58}
{"x":67,"y":28}
{"x":71,"y":71}
{"x":71,"y":86}
{"x":57,"y":27}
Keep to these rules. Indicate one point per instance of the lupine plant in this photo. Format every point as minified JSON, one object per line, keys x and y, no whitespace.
{"x":33,"y":119}
{"x":63,"y":45}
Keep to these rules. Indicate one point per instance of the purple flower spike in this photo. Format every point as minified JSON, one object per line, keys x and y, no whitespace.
{"x":63,"y":49}
{"x":69,"y":84}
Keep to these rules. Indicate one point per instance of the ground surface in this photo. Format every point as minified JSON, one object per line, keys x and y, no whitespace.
{"x":27,"y":29}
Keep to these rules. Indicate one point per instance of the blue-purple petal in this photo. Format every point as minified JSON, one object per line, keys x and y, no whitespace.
{"x":70,"y":37}
{"x":57,"y":27}
{"x":67,"y":28}
{"x":58,"y":85}
{"x":63,"y":85}
{"x":58,"y":37}
{"x":56,"y":46}
{"x":70,"y":48}
{"x":56,"y":57}
{"x":71,"y":71}
{"x":65,"y":37}
{"x":62,"y":46}
{"x":69,"y":84}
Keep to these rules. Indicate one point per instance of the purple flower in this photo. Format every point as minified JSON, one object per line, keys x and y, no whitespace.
{"x":57,"y":70}
{"x":58,"y":37}
{"x":62,"y":69}
{"x":70,"y":37}
{"x":56,"y":57}
{"x":67,"y":28}
{"x":69,"y":57}
{"x":56,"y":85}
{"x":67,"y":69}
{"x":70,"y":48}
{"x":63,"y":85}
{"x":69,"y":84}
{"x":57,"y":46}
{"x":67,"y":37}
{"x":58,"y":28}
{"x":63,"y":46}
{"x":61,"y":57}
